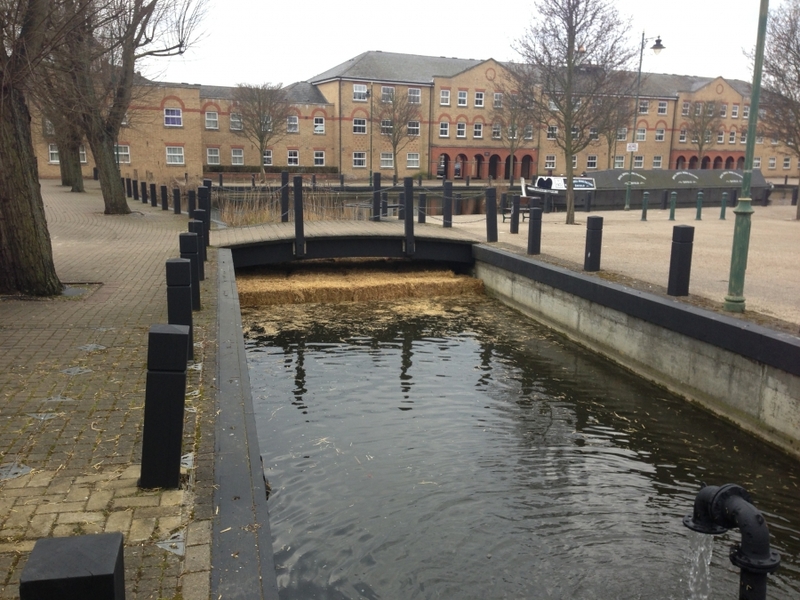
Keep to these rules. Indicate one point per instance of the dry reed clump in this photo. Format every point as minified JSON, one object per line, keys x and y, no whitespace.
{"x":350,"y":284}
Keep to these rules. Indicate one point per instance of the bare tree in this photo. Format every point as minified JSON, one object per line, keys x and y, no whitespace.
{"x":264,"y":112}
{"x":780,"y":118}
{"x":399,"y":118}
{"x":619,"y":114}
{"x":572,"y":64}
{"x":702,"y":127}
{"x":512,"y":122}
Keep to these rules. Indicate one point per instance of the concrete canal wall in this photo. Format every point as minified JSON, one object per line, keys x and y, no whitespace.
{"x":741,"y":371}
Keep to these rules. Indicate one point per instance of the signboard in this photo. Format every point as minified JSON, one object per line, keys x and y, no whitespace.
{"x":556,"y":184}
{"x":633,"y":147}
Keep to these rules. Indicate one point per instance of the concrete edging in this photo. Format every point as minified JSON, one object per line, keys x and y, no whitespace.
{"x":744,"y":372}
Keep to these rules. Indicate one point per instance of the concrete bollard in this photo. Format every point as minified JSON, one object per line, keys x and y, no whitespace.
{"x":422,"y":208}
{"x":191,"y":202}
{"x":491,"y":214}
{"x":645,"y":201}
{"x":680,"y":262}
{"x":145,"y":197}
{"x":135,"y":188}
{"x":594,"y":243}
{"x":447,"y":205}
{"x":514,"y":214}
{"x":179,"y":296}
{"x":164,"y":198}
{"x":153,"y":195}
{"x":284,"y":196}
{"x":699,"y":216}
{"x":376,"y":197}
{"x":299,"y":232}
{"x":535,"y":231}
{"x":189,"y":245}
{"x":75,"y":568}
{"x":128,"y":187}
{"x":165,"y":393}
{"x":408,"y":195}
{"x":723,"y":206}
{"x":673,"y":200}
{"x":196,"y":227}
{"x":176,"y":201}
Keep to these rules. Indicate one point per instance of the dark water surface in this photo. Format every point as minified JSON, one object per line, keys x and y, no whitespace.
{"x":453,"y":449}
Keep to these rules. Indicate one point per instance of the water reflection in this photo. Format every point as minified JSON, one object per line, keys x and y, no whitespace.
{"x":518,"y":465}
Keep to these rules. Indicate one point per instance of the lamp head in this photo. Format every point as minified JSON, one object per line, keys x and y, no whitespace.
{"x":658,"y":46}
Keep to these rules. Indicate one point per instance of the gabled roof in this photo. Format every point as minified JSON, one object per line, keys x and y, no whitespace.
{"x":297,"y":93}
{"x":393,"y":67}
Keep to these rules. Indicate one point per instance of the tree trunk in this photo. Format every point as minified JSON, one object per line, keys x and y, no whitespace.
{"x":570,"y":200}
{"x":26,"y":256}
{"x":70,"y":159}
{"x":102,"y":146}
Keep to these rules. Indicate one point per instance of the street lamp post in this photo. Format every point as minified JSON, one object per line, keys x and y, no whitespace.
{"x":734,"y":301}
{"x":657,"y":47}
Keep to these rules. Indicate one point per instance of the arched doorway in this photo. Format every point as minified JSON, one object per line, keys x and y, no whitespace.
{"x":443,"y":167}
{"x":494,"y":166}
{"x":740,"y":163}
{"x":479,"y":166}
{"x":718,"y":162}
{"x":706,"y":162}
{"x":680,"y":163}
{"x":461,"y":167}
{"x":527,"y":167}
{"x":729,"y":162}
{"x":693,"y":162}
{"x":508,"y":168}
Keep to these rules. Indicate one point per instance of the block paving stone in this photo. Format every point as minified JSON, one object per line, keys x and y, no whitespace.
{"x":80,"y":432}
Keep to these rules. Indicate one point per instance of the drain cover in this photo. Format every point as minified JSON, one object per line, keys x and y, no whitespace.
{"x":46,"y":416}
{"x":174,"y":543}
{"x":76,"y":371}
{"x":91,"y":347}
{"x":13,"y":471}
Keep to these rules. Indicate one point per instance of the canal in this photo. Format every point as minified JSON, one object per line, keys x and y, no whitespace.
{"x":451,"y":448}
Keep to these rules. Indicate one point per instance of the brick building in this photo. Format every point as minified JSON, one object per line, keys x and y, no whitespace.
{"x":179,"y":131}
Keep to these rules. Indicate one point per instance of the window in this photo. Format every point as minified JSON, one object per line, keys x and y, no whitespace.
{"x":413,"y":128}
{"x":498,"y":100}
{"x":444,"y":97}
{"x":759,"y":139}
{"x":732,"y":137}
{"x":359,"y":126}
{"x":723,"y":110}
{"x":478,"y":99}
{"x":412,"y":160}
{"x":414,"y":96}
{"x":212,"y":120}
{"x":685,"y":110}
{"x":772,"y":162}
{"x":461,"y":130}
{"x":787,"y":162}
{"x":237,"y":156}
{"x":682,"y":136}
{"x":720,"y":137}
{"x":173,"y":117}
{"x":644,"y":107}
{"x":293,"y":158}
{"x":756,"y":162}
{"x":359,"y":92}
{"x":292,"y":124}
{"x":528,"y":132}
{"x":386,"y":127}
{"x":622,"y":134}
{"x":550,"y":161}
{"x":641,"y":134}
{"x":774,"y":141}
{"x":497,"y":131}
{"x":638,"y":162}
{"x":387,"y":94}
{"x":82,"y":154}
{"x":477,"y":131}
{"x":444,"y":129}
{"x":694,"y":138}
{"x":359,"y":160}
{"x":551,"y":104}
{"x":462,"y":97}
{"x":662,"y":107}
{"x":660,"y":135}
{"x":746,"y":111}
{"x":124,"y":120}
{"x":267,"y":158}
{"x":48,"y":128}
{"x":53,"y":154}
{"x":387,"y":160}
{"x":593,"y":135}
{"x":175,"y":155}
{"x":319,"y":125}
{"x":123,"y":154}
{"x":734,"y":111}
{"x":619,"y":162}
{"x":707,"y":137}
{"x":743,"y":137}
{"x":512,"y":132}
{"x":552,"y":132}
{"x":576,"y":133}
{"x":656,"y":162}
{"x":709,"y":109}
{"x":591,"y":161}
{"x":319,"y":158}
{"x":212,"y":156}
{"x":236,"y":122}
{"x":266,"y":123}
{"x":698,"y":109}
{"x":574,"y":161}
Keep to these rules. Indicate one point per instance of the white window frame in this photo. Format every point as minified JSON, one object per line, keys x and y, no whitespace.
{"x":662,"y":107}
{"x":479,"y":99}
{"x":743,"y":137}
{"x":660,"y":135}
{"x":212,"y":156}
{"x":641,"y":134}
{"x":552,"y":132}
{"x":732,"y":136}
{"x":462,"y":98}
{"x":787,"y":162}
{"x":527,"y":132}
{"x":550,"y":161}
{"x":477,"y":131}
{"x":734,"y":111}
{"x":682,"y":136}
{"x":498,"y":100}
{"x":175,"y":155}
{"x":721,"y":136}
{"x":387,"y":94}
{"x":293,"y":158}
{"x":236,"y":122}
{"x":359,"y":160}
{"x":414,"y":96}
{"x":266,"y":158}
{"x":412,"y":160}
{"x":387,"y":160}
{"x":413,"y":128}
{"x":359,"y":126}
{"x":237,"y":156}
{"x":444,"y":129}
{"x":644,"y":106}
{"x":746,"y":111}
{"x":122,"y":154}
{"x":773,"y":162}
{"x":52,"y":154}
{"x":687,"y":106}
{"x":591,"y":161}
{"x":292,"y":124}
{"x":593,"y":133}
{"x":212,"y":119}
{"x":723,"y":110}
{"x":386,"y":127}
{"x":82,"y":157}
{"x":638,"y":162}
{"x":759,"y":139}
{"x":619,"y":162}
{"x":756,"y":162}
{"x":444,"y":97}
{"x":319,"y":158}
{"x":319,"y":125}
{"x":622,"y":134}
{"x":461,"y":129}
{"x":359,"y":92}
{"x":173,"y":117}
{"x":497,"y":131}
{"x":657,"y":162}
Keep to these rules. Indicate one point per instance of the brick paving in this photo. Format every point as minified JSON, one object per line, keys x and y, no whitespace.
{"x":72,"y":382}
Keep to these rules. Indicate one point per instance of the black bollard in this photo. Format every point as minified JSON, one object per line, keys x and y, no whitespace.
{"x":467,"y":180}
{"x":491,"y":214}
{"x":376,"y":197}
{"x":723,"y":205}
{"x":153,"y":195}
{"x":191,"y":203}
{"x":208,"y":183}
{"x":645,"y":201}
{"x":145,"y":198}
{"x":253,"y":180}
{"x":135,"y":188}
{"x":164,"y":198}
{"x":401,"y":206}
{"x":204,"y":203}
{"x":189,"y":245}
{"x":341,"y":182}
{"x":664,"y":200}
{"x":313,"y":183}
{"x":165,"y":393}
{"x":299,"y":234}
{"x":95,"y":173}
{"x":384,"y":204}
{"x":129,"y":187}
{"x":284,"y":196}
{"x":197,"y":226}
{"x":680,"y":262}
{"x":699,"y":216}
{"x":589,"y":197}
{"x":447,"y":205}
{"x":179,"y":296}
{"x":176,"y":201}
{"x":673,"y":200}
{"x":794,"y":197}
{"x":594,"y":242}
{"x":514,"y":214}
{"x":408,"y":195}
{"x":422,"y":208}
{"x":535,"y":231}
{"x":221,"y":181}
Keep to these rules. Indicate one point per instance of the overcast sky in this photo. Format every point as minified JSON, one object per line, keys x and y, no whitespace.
{"x":258,"y":41}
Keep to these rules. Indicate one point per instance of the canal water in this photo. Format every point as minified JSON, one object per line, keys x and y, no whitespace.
{"x":451,"y":448}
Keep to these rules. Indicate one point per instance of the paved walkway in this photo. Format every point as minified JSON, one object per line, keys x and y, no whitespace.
{"x":72,"y":379}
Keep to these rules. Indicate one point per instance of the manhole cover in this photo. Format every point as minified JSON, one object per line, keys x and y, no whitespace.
{"x":13,"y":471}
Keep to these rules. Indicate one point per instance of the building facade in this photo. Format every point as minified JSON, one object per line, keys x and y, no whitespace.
{"x":342,"y":122}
